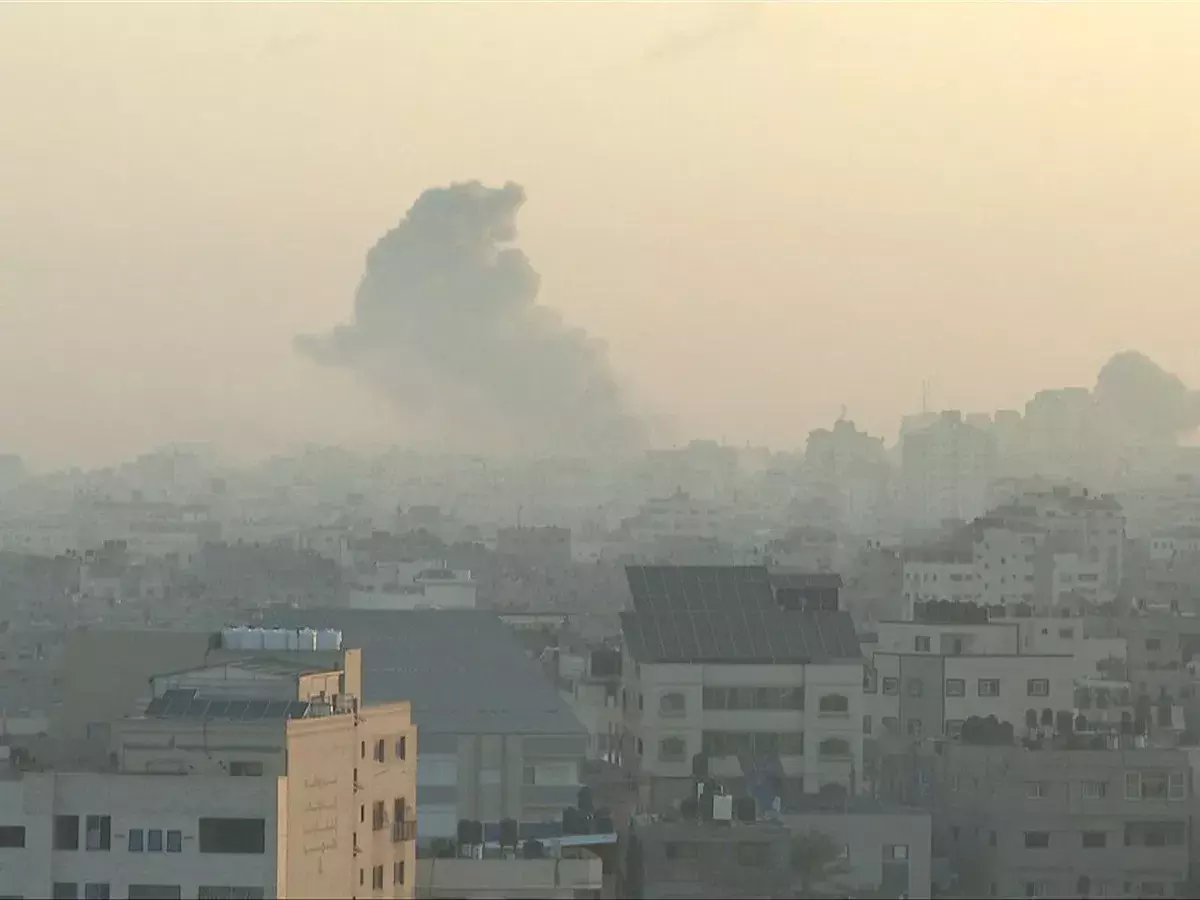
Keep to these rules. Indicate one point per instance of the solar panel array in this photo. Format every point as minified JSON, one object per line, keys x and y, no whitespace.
{"x":680,"y":588}
{"x":726,"y":614}
{"x":185,"y":704}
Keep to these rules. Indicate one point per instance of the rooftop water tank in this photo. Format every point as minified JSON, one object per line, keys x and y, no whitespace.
{"x":252,"y":639}
{"x":306,"y":639}
{"x":329,"y":639}
{"x":233,"y":638}
{"x":275,"y":639}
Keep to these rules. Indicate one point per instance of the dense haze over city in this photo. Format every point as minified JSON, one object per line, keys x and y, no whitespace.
{"x":844,"y":201}
{"x":576,"y":451}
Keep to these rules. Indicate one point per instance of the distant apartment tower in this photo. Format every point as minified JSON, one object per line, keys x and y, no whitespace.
{"x":945,"y":470}
{"x":260,"y":776}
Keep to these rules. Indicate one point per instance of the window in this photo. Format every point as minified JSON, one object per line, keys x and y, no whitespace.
{"x":954,"y":728}
{"x":378,"y":755}
{"x":834,"y":747}
{"x":377,"y":816}
{"x":1066,"y":633}
{"x":915,"y":687}
{"x":95,"y":890}
{"x":641,"y":702}
{"x":1038,"y":687}
{"x":402,"y":748}
{"x":895,"y":851}
{"x":891,"y":724}
{"x":956,"y":687}
{"x":154,"y":892}
{"x":154,"y":841}
{"x":921,"y":644}
{"x":834,"y":703}
{"x":1093,"y":790}
{"x":174,"y":841}
{"x":1037,"y":840}
{"x":639,"y":746}
{"x":1153,"y":644}
{"x":866,"y":724}
{"x":752,"y":854}
{"x":1153,"y":889}
{"x":891,"y":686}
{"x":232,"y":835}
{"x":12,"y":836}
{"x":672,"y":705}
{"x":377,"y":878}
{"x":226,"y":892}
{"x":1154,"y":786}
{"x":136,"y":840}
{"x":66,"y":834}
{"x":1035,"y":790}
{"x":914,"y":727}
{"x":398,"y":872}
{"x":1177,"y":786}
{"x":672,"y":749}
{"x":65,"y":890}
{"x":245,"y":768}
{"x":1093,"y":840}
{"x":989,"y":687}
{"x":1035,"y":889}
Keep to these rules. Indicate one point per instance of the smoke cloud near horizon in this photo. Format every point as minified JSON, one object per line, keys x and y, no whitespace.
{"x":447,"y":324}
{"x":1145,"y":400}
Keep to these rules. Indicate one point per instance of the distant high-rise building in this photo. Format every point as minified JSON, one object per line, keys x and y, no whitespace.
{"x":945,"y":471}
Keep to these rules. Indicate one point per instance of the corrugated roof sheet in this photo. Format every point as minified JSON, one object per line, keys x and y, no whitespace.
{"x":463,"y":671}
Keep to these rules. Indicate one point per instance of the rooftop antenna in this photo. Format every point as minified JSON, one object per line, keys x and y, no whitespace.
{"x":924,"y":395}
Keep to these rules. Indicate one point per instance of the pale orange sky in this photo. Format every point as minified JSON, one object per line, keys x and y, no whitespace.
{"x":766,"y":213}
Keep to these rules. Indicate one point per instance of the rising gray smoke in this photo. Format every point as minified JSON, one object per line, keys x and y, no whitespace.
{"x":447,"y":324}
{"x":1136,"y":393}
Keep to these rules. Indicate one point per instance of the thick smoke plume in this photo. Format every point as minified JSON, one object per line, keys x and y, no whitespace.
{"x":1144,"y":400}
{"x":446,"y":323}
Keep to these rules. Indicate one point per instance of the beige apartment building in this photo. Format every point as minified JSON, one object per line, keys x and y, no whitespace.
{"x":262,"y":775}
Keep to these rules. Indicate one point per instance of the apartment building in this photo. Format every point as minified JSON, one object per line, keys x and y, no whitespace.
{"x":1017,"y":822}
{"x":1075,"y":520}
{"x":265,"y":777}
{"x":939,"y":573}
{"x":945,"y":470}
{"x":920,"y":695}
{"x":716,"y":667}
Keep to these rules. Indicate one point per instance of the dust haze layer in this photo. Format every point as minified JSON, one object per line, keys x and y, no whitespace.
{"x":447,"y":324}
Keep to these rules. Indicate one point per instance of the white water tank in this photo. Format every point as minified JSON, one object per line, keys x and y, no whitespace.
{"x":233,"y":638}
{"x":252,"y":639}
{"x":306,"y":639}
{"x":329,"y":639}
{"x":275,"y":639}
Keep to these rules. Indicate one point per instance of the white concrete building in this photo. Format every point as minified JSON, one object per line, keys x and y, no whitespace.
{"x":736,"y":681}
{"x":930,"y":695}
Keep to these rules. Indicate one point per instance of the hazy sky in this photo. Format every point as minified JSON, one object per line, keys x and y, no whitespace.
{"x":766,"y":212}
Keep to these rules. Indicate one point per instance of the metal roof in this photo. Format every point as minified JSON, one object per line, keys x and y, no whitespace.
{"x":463,"y":671}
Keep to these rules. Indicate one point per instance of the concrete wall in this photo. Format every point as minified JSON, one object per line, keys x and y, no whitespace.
{"x":870,"y":840}
{"x":551,"y":879}
{"x":133,"y":802}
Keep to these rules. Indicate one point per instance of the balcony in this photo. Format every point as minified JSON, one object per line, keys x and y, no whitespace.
{"x":404,"y":831}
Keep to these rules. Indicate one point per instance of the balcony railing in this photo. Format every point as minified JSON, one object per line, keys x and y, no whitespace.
{"x":404,"y":831}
